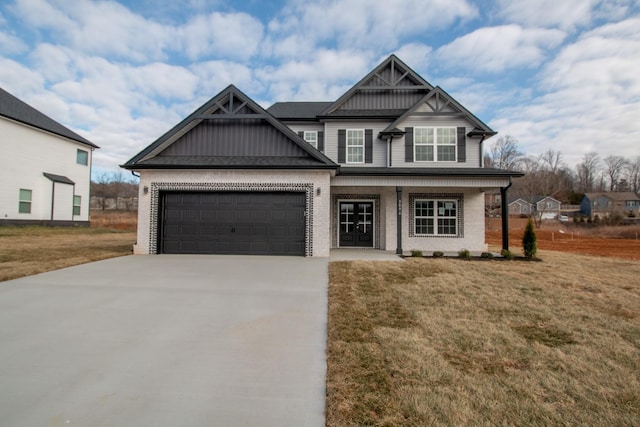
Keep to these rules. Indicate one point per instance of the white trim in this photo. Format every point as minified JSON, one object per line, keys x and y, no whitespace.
{"x":436,"y":216}
{"x":373,"y":220}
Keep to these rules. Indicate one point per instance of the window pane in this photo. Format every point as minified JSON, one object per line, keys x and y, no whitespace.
{"x":423,"y":135}
{"x":446,"y":226}
{"x":446,"y":153}
{"x":424,"y":153}
{"x":82,"y":157}
{"x":25,"y":195}
{"x":446,"y":136}
{"x":24,"y":207}
{"x":424,"y":225}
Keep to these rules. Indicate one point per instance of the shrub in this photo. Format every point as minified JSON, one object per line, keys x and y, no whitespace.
{"x":529,"y":244}
{"x":416,"y":252}
{"x":488,"y":255}
{"x":507,"y":254}
{"x":464,"y":254}
{"x":438,"y":254}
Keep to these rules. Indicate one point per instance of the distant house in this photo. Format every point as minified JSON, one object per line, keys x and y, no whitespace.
{"x":604,"y":204}
{"x":544,"y":207}
{"x":520,"y":207}
{"x":45,"y":168}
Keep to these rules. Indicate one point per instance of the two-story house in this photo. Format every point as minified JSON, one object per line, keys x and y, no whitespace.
{"x":625,"y":203}
{"x":45,"y":168}
{"x":393,"y":164}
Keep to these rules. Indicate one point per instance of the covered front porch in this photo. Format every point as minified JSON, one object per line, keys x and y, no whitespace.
{"x":404,"y":214}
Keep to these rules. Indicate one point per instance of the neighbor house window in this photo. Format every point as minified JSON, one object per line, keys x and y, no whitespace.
{"x":82,"y":157}
{"x":76,"y":205}
{"x":631,"y":203}
{"x":436,"y":217}
{"x":355,"y":145}
{"x":434,"y":144}
{"x":311,"y":136}
{"x":24,"y":203}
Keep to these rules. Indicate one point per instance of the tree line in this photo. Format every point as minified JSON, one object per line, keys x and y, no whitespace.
{"x":114,"y":190}
{"x":549,"y":175}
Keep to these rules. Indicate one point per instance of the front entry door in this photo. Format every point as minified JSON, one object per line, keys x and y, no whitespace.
{"x":356,"y":224}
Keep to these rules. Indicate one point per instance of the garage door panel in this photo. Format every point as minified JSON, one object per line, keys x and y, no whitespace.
{"x":233,"y":223}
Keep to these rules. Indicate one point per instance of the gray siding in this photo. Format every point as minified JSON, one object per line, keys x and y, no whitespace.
{"x":379,"y":146}
{"x":245,"y":137}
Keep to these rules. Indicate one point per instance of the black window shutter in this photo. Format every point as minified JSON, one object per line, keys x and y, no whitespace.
{"x":342,"y":145}
{"x":462,"y":145}
{"x":321,"y":141}
{"x":408,"y":145}
{"x":301,"y":134}
{"x":368,"y":145}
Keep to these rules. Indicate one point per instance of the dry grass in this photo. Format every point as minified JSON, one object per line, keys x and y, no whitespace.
{"x":30,"y":250}
{"x":114,"y":219}
{"x":450,"y":342}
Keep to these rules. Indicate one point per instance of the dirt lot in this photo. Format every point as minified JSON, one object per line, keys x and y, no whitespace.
{"x":618,"y":242}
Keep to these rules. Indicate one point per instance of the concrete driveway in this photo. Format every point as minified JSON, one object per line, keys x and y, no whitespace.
{"x":166,"y":341}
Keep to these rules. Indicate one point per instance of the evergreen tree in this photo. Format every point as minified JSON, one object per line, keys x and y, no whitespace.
{"x":529,"y":244}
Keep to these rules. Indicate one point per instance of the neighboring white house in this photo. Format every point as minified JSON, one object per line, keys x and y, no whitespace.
{"x":45,"y":168}
{"x":520,"y":207}
{"x":393,"y":164}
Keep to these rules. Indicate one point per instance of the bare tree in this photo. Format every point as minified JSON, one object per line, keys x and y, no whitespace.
{"x":615,"y":167}
{"x":587,"y":171}
{"x":504,"y":154}
{"x":633,"y":173}
{"x":552,"y":161}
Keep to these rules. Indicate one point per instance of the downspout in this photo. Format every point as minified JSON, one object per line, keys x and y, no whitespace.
{"x":53,"y":197}
{"x":482,"y":151}
{"x":399,"y":220}
{"x":505,"y":216}
{"x":389,"y":151}
{"x":134,"y":174}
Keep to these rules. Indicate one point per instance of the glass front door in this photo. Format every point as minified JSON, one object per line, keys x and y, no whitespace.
{"x":356,"y":224}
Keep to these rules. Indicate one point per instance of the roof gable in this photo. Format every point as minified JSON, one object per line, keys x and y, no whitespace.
{"x":439,"y":103}
{"x":389,"y":89}
{"x":15,"y":109}
{"x":230,"y":130}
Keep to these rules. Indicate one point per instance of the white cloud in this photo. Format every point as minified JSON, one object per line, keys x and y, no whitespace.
{"x":495,"y":49}
{"x":361,"y":23}
{"x":416,"y":55}
{"x":564,"y":14}
{"x":591,"y":97}
{"x":10,"y":45}
{"x":322,"y":78}
{"x":230,"y":35}
{"x":19,"y":80}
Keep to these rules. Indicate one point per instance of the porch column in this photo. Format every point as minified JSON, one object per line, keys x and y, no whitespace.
{"x":505,"y":216}
{"x":399,"y":220}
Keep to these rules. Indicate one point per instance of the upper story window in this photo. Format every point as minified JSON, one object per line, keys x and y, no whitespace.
{"x":435,"y":144}
{"x":311,"y":136}
{"x":82,"y":157}
{"x":24,"y":201}
{"x":355,"y":145}
{"x":631,"y":203}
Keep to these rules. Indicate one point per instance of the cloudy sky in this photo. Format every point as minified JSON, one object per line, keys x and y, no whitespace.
{"x":561,"y":74}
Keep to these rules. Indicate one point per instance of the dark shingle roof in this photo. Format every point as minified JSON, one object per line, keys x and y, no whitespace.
{"x":15,"y":109}
{"x":297,"y":110}
{"x":58,"y":178}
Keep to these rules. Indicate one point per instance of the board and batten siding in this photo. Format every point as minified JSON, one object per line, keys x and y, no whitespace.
{"x":472,"y":144}
{"x":379,"y":146}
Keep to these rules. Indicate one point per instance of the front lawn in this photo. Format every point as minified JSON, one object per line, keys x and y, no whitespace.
{"x":30,"y":250}
{"x":453,"y":342}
